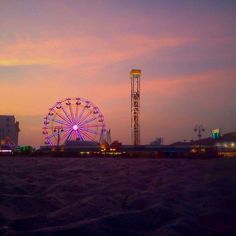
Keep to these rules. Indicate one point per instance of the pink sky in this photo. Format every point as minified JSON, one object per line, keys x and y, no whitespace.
{"x":50,"y":50}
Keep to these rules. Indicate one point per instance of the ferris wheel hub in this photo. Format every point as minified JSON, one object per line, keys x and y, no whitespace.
{"x":75,"y":127}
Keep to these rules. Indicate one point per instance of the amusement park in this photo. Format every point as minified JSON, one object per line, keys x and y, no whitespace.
{"x":75,"y":126}
{"x":117,"y":118}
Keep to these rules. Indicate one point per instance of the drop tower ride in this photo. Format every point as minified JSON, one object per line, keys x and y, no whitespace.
{"x":135,"y":75}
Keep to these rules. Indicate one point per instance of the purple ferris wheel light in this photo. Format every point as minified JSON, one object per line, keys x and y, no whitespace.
{"x":73,"y":119}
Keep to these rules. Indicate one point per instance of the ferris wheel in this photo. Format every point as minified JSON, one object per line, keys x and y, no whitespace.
{"x":73,"y":119}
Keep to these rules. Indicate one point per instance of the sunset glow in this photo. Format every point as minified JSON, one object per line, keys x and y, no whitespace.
{"x":51,"y":50}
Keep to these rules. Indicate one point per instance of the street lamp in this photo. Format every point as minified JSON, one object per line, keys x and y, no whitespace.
{"x":58,"y":130}
{"x":199,"y":129}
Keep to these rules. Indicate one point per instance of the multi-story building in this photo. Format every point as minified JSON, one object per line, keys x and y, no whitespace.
{"x":9,"y":129}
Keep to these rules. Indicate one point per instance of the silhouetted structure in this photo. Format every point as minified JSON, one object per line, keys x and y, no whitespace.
{"x":9,"y":130}
{"x":157,"y":142}
{"x":135,"y":106}
{"x":225,"y":139}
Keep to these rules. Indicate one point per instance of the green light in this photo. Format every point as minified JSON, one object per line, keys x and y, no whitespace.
{"x":25,"y":149}
{"x":215,"y":134}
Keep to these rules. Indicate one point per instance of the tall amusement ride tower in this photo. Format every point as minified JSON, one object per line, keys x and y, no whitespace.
{"x":135,"y":106}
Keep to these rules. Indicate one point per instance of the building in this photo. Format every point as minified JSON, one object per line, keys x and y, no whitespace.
{"x":9,"y":130}
{"x":79,"y":145}
{"x":222,"y":140}
{"x":157,"y":142}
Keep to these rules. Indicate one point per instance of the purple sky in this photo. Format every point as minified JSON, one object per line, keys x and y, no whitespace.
{"x":50,"y":50}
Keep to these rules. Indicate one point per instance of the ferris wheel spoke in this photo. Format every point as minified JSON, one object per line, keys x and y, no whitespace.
{"x":80,"y":115}
{"x":48,"y":141}
{"x":79,"y":135}
{"x":63,"y":134}
{"x":87,"y":135}
{"x":69,"y":135}
{"x":52,"y":135}
{"x":86,"y":116}
{"x":67,"y":115}
{"x":71,"y":113}
{"x":73,"y":135}
{"x":93,"y":126}
{"x":62,"y":117}
{"x":76,"y":113}
{"x":66,"y":133}
{"x":67,"y":128}
{"x":58,"y":121}
{"x":89,"y":130}
{"x":87,"y":121}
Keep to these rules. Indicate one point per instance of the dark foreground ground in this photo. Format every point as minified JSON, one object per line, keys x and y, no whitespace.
{"x":75,"y":196}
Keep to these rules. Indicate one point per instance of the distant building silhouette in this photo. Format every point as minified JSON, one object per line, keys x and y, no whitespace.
{"x":157,"y":142}
{"x":227,"y":138}
{"x":9,"y":129}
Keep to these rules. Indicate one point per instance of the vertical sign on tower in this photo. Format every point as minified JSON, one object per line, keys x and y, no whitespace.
{"x":135,"y":106}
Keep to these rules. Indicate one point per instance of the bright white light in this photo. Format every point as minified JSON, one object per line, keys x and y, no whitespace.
{"x":232,"y":144}
{"x":75,"y":127}
{"x":5,"y":150}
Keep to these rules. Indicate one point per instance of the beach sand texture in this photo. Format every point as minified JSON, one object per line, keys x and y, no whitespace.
{"x":95,"y":196}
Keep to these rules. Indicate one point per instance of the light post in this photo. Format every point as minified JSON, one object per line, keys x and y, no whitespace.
{"x":58,"y":130}
{"x":199,"y":129}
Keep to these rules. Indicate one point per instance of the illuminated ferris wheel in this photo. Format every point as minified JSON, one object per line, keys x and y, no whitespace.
{"x":73,"y":119}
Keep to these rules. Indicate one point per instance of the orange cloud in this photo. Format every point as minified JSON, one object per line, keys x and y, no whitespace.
{"x":82,"y":51}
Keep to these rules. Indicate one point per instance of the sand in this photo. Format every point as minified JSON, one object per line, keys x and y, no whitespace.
{"x":79,"y":196}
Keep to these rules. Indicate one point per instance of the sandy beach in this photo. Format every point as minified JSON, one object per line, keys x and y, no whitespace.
{"x":79,"y":196}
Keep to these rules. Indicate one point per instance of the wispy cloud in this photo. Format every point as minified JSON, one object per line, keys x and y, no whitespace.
{"x":207,"y":90}
{"x":26,"y":62}
{"x":83,"y":51}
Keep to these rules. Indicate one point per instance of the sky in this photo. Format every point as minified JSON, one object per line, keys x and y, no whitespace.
{"x":186,"y":49}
